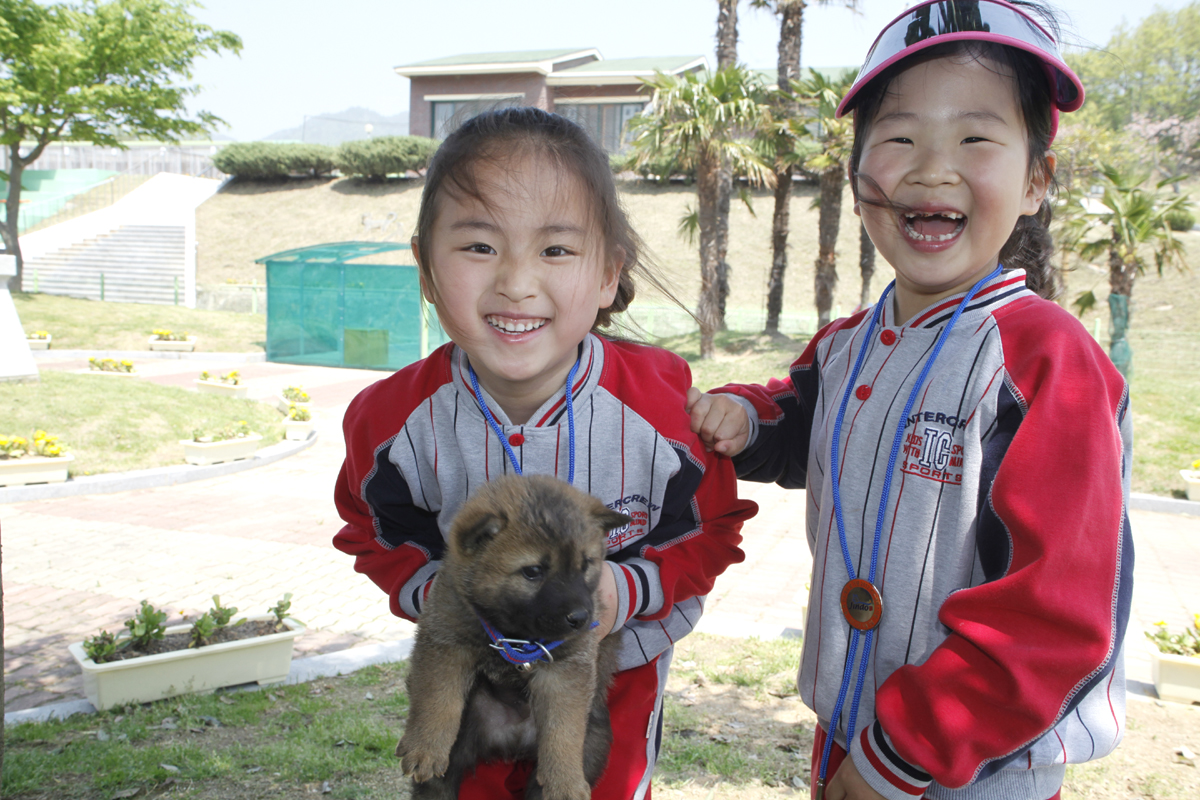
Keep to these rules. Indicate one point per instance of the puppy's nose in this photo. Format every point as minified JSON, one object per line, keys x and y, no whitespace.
{"x":577,"y":618}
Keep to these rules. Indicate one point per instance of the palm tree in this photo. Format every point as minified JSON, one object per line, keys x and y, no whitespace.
{"x":727,"y":37}
{"x":782,"y":137}
{"x":834,"y":138}
{"x":700,"y":119}
{"x":1135,"y":221}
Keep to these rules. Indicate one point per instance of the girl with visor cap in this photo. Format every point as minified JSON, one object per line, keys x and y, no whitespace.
{"x":965,"y":443}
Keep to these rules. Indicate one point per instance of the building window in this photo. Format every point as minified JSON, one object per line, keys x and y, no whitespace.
{"x":608,"y":123}
{"x":448,"y":115}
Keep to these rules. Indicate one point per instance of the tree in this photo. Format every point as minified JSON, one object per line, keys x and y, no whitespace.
{"x":699,"y":119}
{"x":1135,"y":221}
{"x":1153,"y":70}
{"x":866,"y":264}
{"x":99,"y":72}
{"x":783,"y":140}
{"x":727,"y":37}
{"x":835,"y":137}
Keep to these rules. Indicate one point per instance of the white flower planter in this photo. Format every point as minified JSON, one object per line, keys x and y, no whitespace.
{"x":1191,"y":478}
{"x":1176,"y":678}
{"x":187,"y":345}
{"x":239,"y":390}
{"x":40,"y":344}
{"x":205,"y":453}
{"x":262,"y":659}
{"x":297,"y":430}
{"x":283,"y":405}
{"x":35,"y":469}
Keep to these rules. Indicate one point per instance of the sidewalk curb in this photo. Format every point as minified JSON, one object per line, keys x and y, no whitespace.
{"x":1163,"y":505}
{"x":66,"y":355}
{"x":329,"y":665}
{"x":150,"y":478}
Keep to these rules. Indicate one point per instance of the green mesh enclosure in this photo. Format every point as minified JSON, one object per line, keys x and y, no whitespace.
{"x":324,"y":311}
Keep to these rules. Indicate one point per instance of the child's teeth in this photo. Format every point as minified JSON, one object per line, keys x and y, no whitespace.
{"x":515,"y":327}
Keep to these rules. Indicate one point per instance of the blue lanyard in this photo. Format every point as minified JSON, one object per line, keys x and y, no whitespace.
{"x":883,"y":501}
{"x":495,"y":426}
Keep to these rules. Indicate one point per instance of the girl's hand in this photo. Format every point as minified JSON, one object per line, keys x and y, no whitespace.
{"x":847,"y":784}
{"x":720,"y":421}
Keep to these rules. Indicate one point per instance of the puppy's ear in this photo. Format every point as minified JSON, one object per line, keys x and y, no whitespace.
{"x":609,"y":519}
{"x":475,"y":533}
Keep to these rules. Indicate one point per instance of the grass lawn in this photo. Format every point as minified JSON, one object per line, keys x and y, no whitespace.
{"x":733,"y":728}
{"x":113,"y":424}
{"x":79,"y":324}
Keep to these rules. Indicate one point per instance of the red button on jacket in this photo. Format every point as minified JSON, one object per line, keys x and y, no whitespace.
{"x":862,"y":392}
{"x":516,"y":440}
{"x":888,"y":338}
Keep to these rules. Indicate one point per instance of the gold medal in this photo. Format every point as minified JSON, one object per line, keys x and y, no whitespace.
{"x":861,"y":604}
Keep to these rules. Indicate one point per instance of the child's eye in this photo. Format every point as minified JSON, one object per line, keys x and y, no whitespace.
{"x":973,"y":139}
{"x":482,"y":249}
{"x":556,"y":251}
{"x":900,"y":140}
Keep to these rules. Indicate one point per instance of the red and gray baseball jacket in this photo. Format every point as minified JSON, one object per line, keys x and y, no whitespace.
{"x":417,"y":444}
{"x":1006,"y":559}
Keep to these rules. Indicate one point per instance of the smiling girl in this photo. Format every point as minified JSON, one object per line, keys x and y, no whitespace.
{"x":526,"y":254}
{"x":964,"y":442}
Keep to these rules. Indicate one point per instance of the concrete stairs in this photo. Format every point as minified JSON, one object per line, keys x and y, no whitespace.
{"x":130,"y":264}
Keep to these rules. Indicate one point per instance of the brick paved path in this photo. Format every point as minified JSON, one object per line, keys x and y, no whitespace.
{"x":75,"y":565}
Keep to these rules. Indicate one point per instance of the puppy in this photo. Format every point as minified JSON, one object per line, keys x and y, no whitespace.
{"x":524,"y":558}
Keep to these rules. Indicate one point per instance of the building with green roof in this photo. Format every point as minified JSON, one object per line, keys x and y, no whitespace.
{"x":575,"y":82}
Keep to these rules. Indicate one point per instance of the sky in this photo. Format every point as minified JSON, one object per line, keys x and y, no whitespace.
{"x":313,"y":57}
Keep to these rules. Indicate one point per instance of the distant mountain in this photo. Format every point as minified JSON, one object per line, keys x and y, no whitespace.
{"x":344,"y":126}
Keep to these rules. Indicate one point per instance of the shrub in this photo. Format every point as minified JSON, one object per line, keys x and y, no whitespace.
{"x":253,"y":161}
{"x":309,"y":159}
{"x":381,"y":156}
{"x":1180,"y":219}
{"x":658,"y":170}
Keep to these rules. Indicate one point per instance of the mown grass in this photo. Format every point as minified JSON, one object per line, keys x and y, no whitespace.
{"x":79,"y":324}
{"x":113,"y":424}
{"x":733,"y":728}
{"x":267,"y":741}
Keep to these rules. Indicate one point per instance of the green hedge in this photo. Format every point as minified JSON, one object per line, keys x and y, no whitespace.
{"x":1180,"y":219}
{"x":658,"y":170}
{"x":264,"y":161}
{"x":378,"y":157}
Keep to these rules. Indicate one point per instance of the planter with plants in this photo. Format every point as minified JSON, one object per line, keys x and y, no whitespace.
{"x":230,"y":384}
{"x":292,"y":396}
{"x":39,"y":340}
{"x":110,"y":366}
{"x":232,"y":443}
{"x":151,"y":661}
{"x":40,"y":461}
{"x":299,"y":423}
{"x":1175,"y":662}
{"x":176,"y":342}
{"x":1191,"y":480}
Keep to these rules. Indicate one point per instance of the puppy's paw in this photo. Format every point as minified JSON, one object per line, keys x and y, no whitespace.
{"x":420,"y":763}
{"x":568,"y":791}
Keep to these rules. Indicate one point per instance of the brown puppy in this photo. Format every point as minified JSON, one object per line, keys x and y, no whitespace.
{"x":524,"y":556}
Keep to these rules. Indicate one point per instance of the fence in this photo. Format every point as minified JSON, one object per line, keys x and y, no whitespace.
{"x":140,"y":158}
{"x":44,"y":212}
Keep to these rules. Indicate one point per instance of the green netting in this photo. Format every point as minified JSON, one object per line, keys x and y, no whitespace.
{"x":326,"y":312}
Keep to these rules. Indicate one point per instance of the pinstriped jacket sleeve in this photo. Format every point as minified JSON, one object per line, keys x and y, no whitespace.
{"x":699,"y":531}
{"x":779,"y":449}
{"x":395,"y":543}
{"x":1044,"y":629}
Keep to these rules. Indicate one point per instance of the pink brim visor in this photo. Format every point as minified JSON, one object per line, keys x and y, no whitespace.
{"x":938,"y":21}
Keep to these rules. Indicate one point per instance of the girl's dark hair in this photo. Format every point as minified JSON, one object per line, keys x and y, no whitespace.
{"x":1030,"y":246}
{"x":502,"y":135}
